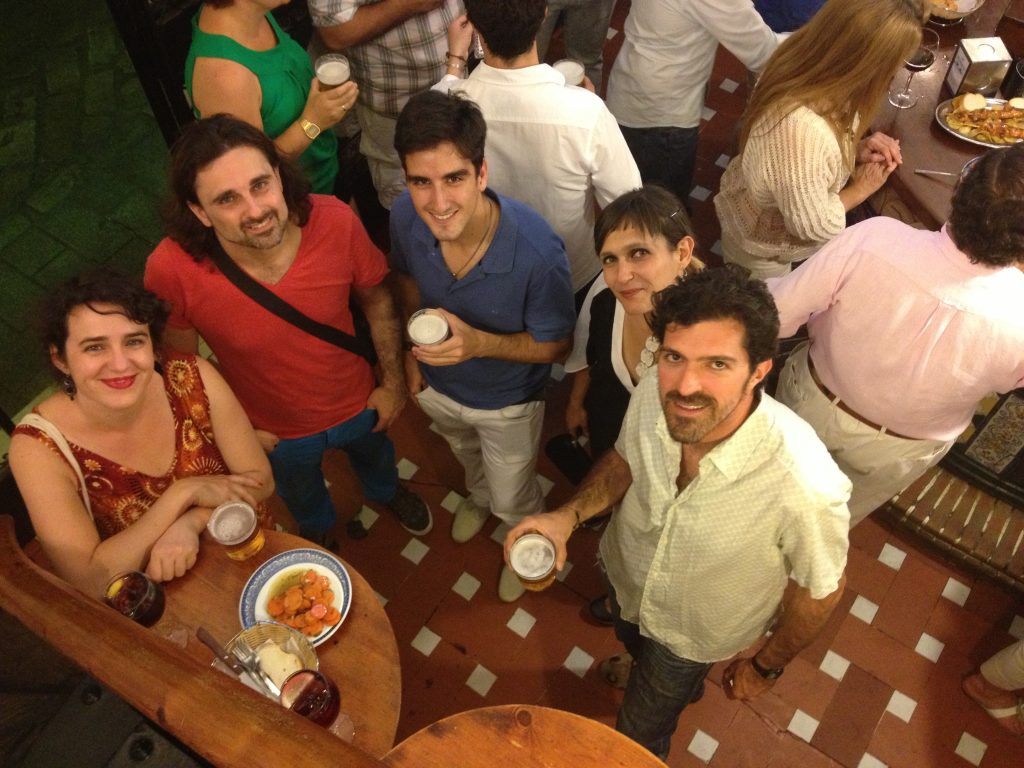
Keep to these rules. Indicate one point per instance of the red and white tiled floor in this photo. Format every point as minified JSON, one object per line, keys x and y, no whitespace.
{"x":880,"y":687}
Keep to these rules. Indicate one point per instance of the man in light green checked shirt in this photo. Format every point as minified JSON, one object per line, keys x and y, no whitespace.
{"x":722,"y":495}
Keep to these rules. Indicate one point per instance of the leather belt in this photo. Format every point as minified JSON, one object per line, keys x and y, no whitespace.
{"x":847,"y":409}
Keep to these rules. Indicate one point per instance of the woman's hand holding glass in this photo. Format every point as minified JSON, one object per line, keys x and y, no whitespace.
{"x":327,"y":108}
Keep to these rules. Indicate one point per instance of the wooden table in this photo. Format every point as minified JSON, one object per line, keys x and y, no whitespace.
{"x":361,"y":657}
{"x":522,"y":736}
{"x":923,"y":143}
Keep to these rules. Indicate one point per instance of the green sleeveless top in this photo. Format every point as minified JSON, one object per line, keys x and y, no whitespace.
{"x":284,"y":72}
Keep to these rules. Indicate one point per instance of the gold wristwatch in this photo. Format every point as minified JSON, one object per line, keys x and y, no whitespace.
{"x":311,"y":129}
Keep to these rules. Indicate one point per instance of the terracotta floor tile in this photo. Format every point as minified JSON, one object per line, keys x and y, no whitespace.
{"x":882,"y":656}
{"x":993,"y":601}
{"x":773,"y":709}
{"x":806,"y":687}
{"x":868,"y":576}
{"x":749,"y":743}
{"x":869,"y":535}
{"x":845,"y":730}
{"x":910,"y":601}
{"x":793,"y":752}
{"x":957,"y":627}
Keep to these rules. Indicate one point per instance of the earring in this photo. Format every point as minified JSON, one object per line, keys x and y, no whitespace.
{"x":68,"y":386}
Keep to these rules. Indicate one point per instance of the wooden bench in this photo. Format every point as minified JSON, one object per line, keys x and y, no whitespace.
{"x":982,"y":531}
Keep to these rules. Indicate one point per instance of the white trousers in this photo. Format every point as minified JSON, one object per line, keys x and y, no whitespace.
{"x":1006,"y":669}
{"x":498,"y":450}
{"x":377,"y":144}
{"x":878,"y":464}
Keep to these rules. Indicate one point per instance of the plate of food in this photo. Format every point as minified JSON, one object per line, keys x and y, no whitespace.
{"x":306,"y":589}
{"x":981,"y":121}
{"x":954,"y":9}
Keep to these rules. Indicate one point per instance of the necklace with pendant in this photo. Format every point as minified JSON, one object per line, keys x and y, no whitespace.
{"x":487,"y":231}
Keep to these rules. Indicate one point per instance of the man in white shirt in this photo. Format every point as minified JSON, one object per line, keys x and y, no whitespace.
{"x":557,"y":148}
{"x":722,"y":496}
{"x":657,"y":84}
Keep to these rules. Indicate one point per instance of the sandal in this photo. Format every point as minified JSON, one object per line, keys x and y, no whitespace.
{"x":615,"y":670}
{"x":1011,"y":718}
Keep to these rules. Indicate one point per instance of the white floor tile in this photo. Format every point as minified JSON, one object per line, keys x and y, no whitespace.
{"x":380,"y":598}
{"x":521,"y":622}
{"x":870,"y":761}
{"x":451,"y":501}
{"x":498,"y":535}
{"x":557,"y":371}
{"x":612,"y":32}
{"x":700,"y":193}
{"x":578,"y":661}
{"x":723,"y":161}
{"x":466,"y":586}
{"x":901,"y":705}
{"x":971,"y":748}
{"x":802,"y":725}
{"x":406,"y":469}
{"x":956,"y":591}
{"x":702,"y":746}
{"x":716,"y":248}
{"x":729,"y":85}
{"x":367,"y":517}
{"x":425,"y":641}
{"x":415,"y":551}
{"x":1017,"y":627}
{"x":707,"y":113}
{"x":929,"y":647}
{"x":560,"y":576}
{"x":545,"y":484}
{"x":834,"y":665}
{"x":481,"y":679}
{"x":863,"y":609}
{"x":892,"y":556}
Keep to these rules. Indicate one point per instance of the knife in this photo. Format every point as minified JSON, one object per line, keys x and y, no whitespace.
{"x":219,"y":651}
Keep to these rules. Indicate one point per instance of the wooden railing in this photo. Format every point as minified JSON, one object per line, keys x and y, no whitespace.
{"x":224,"y":722}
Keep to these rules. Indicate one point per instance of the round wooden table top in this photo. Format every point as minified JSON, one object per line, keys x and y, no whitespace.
{"x":522,"y":735}
{"x":361,"y":657}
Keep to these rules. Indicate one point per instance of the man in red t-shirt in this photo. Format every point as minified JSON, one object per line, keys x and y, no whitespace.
{"x":231,"y":191}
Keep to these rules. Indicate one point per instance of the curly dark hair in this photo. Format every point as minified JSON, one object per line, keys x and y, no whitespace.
{"x":100,"y":286}
{"x":724,"y":293}
{"x":987,"y":220}
{"x":508,"y":27}
{"x":432,"y":118}
{"x":203,"y":142}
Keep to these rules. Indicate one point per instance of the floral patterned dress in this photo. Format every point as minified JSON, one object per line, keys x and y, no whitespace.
{"x":120,"y":495}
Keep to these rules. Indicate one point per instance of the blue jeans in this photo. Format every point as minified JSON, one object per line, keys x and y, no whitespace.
{"x":660,"y":686}
{"x":296,"y":463}
{"x":665,"y":156}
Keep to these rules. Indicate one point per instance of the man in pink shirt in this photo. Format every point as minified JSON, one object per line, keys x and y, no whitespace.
{"x":909,"y":330}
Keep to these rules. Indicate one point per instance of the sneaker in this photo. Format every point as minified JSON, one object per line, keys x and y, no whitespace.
{"x":469,"y":519}
{"x":411,"y":511}
{"x":510,"y":588}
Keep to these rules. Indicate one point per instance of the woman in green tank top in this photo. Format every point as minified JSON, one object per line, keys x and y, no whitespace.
{"x":242,"y":63}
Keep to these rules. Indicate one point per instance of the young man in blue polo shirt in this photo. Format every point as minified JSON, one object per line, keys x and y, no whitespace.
{"x":499,"y":275}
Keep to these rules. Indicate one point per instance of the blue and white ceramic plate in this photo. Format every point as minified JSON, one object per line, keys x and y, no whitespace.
{"x":270,"y":578}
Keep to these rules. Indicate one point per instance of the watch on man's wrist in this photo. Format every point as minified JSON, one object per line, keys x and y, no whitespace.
{"x":766,"y":672}
{"x":311,"y":129}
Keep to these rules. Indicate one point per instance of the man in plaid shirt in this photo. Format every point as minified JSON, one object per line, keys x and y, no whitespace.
{"x":396,"y":49}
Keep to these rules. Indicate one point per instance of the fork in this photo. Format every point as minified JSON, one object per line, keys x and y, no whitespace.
{"x":247,"y":656}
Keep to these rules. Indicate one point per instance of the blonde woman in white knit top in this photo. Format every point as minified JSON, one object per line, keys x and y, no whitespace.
{"x":803,"y":162}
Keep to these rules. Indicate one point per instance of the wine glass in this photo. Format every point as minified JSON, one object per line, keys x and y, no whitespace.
{"x":922,"y":58}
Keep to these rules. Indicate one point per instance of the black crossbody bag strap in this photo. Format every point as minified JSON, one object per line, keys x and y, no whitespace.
{"x":273,"y":303}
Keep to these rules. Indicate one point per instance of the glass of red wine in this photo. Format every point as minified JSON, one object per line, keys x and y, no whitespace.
{"x":313,"y":695}
{"x":136,"y":596}
{"x":922,"y":58}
